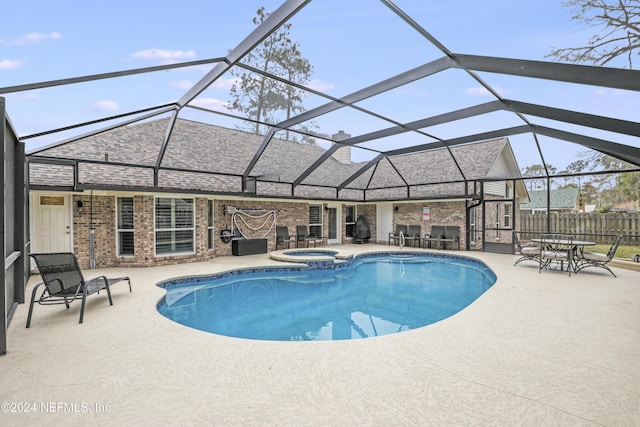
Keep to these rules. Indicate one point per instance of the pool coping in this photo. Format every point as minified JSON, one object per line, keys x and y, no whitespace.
{"x":321,"y":263}
{"x":540,"y":347}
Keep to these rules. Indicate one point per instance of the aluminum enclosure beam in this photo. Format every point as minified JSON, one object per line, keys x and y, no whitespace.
{"x":163,"y":109}
{"x":376,"y":89}
{"x":72,"y":80}
{"x":621,"y":151}
{"x":583,"y":74}
{"x":264,"y":30}
{"x":274,"y":21}
{"x":582,"y":119}
{"x":395,"y":130}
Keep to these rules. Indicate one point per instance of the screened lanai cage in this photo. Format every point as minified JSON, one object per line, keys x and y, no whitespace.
{"x":384,"y":95}
{"x":360,"y":101}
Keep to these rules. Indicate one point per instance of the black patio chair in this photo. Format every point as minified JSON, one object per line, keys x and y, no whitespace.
{"x":283,"y":237}
{"x":64,"y":283}
{"x":395,"y":236}
{"x":595,"y":259}
{"x":527,"y":251}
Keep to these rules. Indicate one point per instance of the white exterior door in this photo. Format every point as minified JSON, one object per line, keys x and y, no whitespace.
{"x":334,"y":221}
{"x":51,"y":224}
{"x":384,"y":221}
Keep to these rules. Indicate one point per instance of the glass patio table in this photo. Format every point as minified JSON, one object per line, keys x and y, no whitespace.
{"x":575,"y":246}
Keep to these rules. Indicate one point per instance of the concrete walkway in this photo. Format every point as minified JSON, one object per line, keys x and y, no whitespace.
{"x":534,"y":350}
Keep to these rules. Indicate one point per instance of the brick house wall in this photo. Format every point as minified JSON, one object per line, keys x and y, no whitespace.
{"x":289,"y":214}
{"x":100,"y":210}
{"x":442,"y":213}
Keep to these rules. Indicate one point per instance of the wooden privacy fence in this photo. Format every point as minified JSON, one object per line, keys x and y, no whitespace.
{"x":598,"y":227}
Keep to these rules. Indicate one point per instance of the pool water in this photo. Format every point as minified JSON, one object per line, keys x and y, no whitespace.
{"x":370,"y":296}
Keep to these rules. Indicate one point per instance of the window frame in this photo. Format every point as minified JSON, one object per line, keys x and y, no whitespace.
{"x":350,"y":223}
{"x":211,"y":245}
{"x":313,"y":226}
{"x":174,"y":229}
{"x":120,"y":231}
{"x":507,"y":214}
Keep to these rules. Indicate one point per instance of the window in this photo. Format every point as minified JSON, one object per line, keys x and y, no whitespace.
{"x":472,"y":223}
{"x":211,"y":240}
{"x":508,"y":193}
{"x":350,"y":221}
{"x":174,"y":226}
{"x":507,"y":215}
{"x":315,"y":220}
{"x":124,"y":227}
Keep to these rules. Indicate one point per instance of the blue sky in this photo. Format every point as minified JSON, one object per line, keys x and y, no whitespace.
{"x":350,"y":44}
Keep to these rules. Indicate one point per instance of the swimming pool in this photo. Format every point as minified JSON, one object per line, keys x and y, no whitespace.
{"x":371,"y":295}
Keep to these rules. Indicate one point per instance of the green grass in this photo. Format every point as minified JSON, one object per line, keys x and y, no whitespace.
{"x":622,"y":252}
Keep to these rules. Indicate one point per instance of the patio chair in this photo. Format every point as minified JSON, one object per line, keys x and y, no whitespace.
{"x":595,"y":259}
{"x":282,"y":237}
{"x":64,"y":283}
{"x":414,"y":235}
{"x":527,"y":251}
{"x":556,"y":248}
{"x":441,"y":235}
{"x":395,"y":236}
{"x":303,"y":237}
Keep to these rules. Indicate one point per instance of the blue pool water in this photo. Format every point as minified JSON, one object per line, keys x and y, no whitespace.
{"x":370,"y":296}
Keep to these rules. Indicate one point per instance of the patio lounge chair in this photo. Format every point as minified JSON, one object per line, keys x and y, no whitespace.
{"x":528,"y":251}
{"x":282,"y":237}
{"x":63,"y":282}
{"x":595,"y":259}
{"x":395,"y":236}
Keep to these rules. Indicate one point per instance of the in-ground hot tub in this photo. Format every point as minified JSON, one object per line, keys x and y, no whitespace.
{"x":312,"y":255}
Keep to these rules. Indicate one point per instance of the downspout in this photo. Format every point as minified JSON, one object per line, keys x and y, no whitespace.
{"x":92,"y":238}
{"x":468,"y":223}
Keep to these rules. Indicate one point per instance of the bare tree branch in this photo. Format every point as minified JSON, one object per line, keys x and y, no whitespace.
{"x":617,"y":26}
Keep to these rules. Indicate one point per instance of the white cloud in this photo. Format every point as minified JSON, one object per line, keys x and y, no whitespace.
{"x":224,"y":83}
{"x":321,"y":86}
{"x":8,"y":64}
{"x":164,"y":54}
{"x":105,"y":106}
{"x":210,"y":103}
{"x":182,"y":84}
{"x":31,"y":38}
{"x":481,"y":91}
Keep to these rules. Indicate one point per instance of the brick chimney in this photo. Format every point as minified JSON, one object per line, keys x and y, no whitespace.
{"x":343,"y":154}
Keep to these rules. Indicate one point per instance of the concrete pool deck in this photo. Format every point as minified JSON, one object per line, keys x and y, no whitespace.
{"x":535,"y":349}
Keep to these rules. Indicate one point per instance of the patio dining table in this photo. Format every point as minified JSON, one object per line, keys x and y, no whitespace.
{"x":575,"y":246}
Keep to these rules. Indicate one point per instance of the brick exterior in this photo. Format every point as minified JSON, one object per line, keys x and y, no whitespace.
{"x":103,"y":218}
{"x":288,"y":213}
{"x":442,"y":213}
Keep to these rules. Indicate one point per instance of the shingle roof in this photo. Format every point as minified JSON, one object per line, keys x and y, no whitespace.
{"x":561,"y":198}
{"x":197,"y":149}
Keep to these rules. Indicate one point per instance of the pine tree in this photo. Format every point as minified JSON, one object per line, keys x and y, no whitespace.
{"x":263,"y":99}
